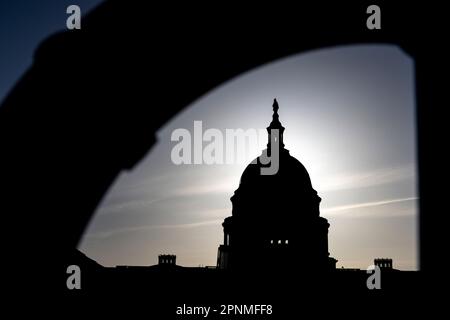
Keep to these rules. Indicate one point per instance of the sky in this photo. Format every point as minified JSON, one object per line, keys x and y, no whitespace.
{"x":349,"y":114}
{"x":23,"y":25}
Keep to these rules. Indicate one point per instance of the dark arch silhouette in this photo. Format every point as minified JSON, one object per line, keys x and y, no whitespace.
{"x":90,"y":104}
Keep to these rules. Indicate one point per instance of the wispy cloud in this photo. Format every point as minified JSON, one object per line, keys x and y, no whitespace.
{"x":358,"y":180}
{"x":114,"y":232}
{"x":221,"y":187}
{"x":129,"y":206}
{"x":146,"y":202}
{"x":364,"y":205}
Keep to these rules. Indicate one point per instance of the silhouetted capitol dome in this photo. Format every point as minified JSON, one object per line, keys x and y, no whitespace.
{"x":275,"y":220}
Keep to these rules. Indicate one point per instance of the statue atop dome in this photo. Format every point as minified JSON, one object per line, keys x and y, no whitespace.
{"x":275,"y":129}
{"x":275,"y":106}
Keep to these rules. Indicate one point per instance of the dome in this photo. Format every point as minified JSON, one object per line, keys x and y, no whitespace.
{"x":291,"y":172}
{"x":275,"y":213}
{"x":275,"y":193}
{"x":268,"y":195}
